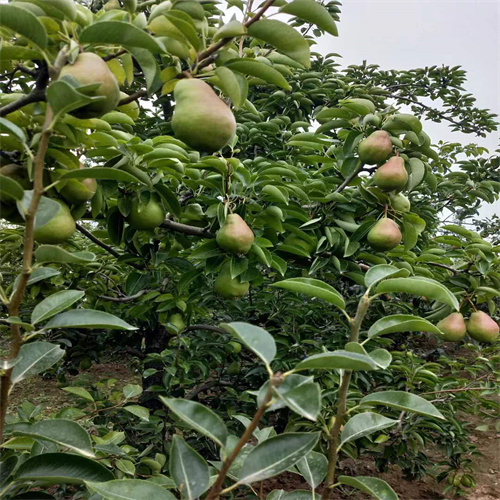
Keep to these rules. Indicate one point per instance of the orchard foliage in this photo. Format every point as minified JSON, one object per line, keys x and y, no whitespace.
{"x":260,"y":228}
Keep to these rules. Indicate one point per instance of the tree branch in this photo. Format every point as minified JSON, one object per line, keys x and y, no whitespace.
{"x":184,"y":228}
{"x":349,"y":178}
{"x":210,"y":328}
{"x":103,"y":245}
{"x":36,"y":95}
{"x":205,"y":57}
{"x":443,"y":266}
{"x":130,"y":298}
{"x":113,"y":56}
{"x":133,"y":97}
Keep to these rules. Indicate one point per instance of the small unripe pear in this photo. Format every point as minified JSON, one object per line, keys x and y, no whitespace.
{"x":375,"y":148}
{"x":482,"y":327}
{"x":148,"y":217}
{"x":400,"y":203}
{"x":77,"y":191}
{"x":17,"y":173}
{"x":392,"y":176}
{"x":58,"y":229}
{"x":453,"y":327}
{"x":235,"y":236}
{"x":230,"y":288}
{"x":178,"y":321}
{"x":384,"y":235}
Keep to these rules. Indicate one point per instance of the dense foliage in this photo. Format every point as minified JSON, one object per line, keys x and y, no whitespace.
{"x":260,"y":231}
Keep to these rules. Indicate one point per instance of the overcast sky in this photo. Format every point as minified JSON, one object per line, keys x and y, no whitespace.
{"x":404,"y":34}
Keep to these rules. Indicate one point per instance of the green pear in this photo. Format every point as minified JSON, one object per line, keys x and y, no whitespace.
{"x":375,"y":148}
{"x":58,"y":229}
{"x":392,"y":176}
{"x":17,"y":173}
{"x":235,"y":236}
{"x":400,"y":203}
{"x":178,"y":321}
{"x":453,"y":327}
{"x":90,"y":69}
{"x":236,"y":346}
{"x":230,"y":288}
{"x":201,"y":119}
{"x":76,"y":191}
{"x":146,"y":217}
{"x":384,"y":235}
{"x":482,"y":327}
{"x":234,"y":368}
{"x":131,"y":109}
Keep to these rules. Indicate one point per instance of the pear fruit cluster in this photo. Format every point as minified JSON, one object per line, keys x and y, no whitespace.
{"x":375,"y":148}
{"x":90,"y":69}
{"x":384,"y":235}
{"x":201,"y":119}
{"x":392,"y":176}
{"x":480,"y":327}
{"x":146,"y":218}
{"x":228,"y":287}
{"x":235,"y":236}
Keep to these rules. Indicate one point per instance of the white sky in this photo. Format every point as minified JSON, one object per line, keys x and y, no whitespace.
{"x":405,"y":34}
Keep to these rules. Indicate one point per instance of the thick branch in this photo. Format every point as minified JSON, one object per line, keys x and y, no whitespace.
{"x":443,"y":266}
{"x":184,"y":228}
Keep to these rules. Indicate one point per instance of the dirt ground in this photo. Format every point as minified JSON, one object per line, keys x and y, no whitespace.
{"x":486,"y":466}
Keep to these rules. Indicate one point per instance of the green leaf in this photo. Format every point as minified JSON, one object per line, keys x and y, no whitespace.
{"x":376,"y":488}
{"x":131,"y":391}
{"x":381,"y":357}
{"x":259,"y":70}
{"x":313,"y":288}
{"x":402,"y":323}
{"x":313,"y":12}
{"x":199,"y":418}
{"x":170,"y":199}
{"x":255,"y":338}
{"x":109,"y":174}
{"x":383,"y":271}
{"x":276,"y":455}
{"x":88,"y":318}
{"x":138,"y":411}
{"x":234,"y":87}
{"x":63,"y":97}
{"x":6,"y":126}
{"x":344,"y":360}
{"x":65,"y":433}
{"x":284,"y":38}
{"x":129,"y":489}
{"x":10,"y":188}
{"x":53,"y":253}
{"x":417,"y":285}
{"x":119,"y":33}
{"x":34,"y":358}
{"x":230,"y":30}
{"x":417,"y":173}
{"x":54,"y":304}
{"x":62,"y":468}
{"x":188,"y":469}
{"x":313,"y":468}
{"x":401,"y":400}
{"x":80,"y":392}
{"x":364,"y":424}
{"x":304,"y":399}
{"x":47,"y":208}
{"x":23,"y":22}
{"x":42,"y":273}
{"x":149,"y":67}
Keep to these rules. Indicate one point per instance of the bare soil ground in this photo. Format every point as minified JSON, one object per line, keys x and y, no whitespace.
{"x":486,"y":466}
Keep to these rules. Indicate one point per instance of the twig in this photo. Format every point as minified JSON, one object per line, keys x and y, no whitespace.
{"x":349,"y":178}
{"x":205,"y":57}
{"x":463,"y":389}
{"x":133,"y":97}
{"x":443,"y":266}
{"x":103,"y":245}
{"x":214,"y":493}
{"x":113,"y":56}
{"x":130,"y":298}
{"x":36,"y":95}
{"x":210,"y":328}
{"x":184,"y":228}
